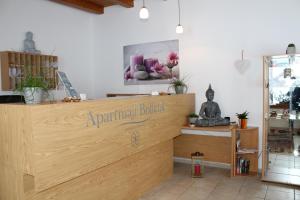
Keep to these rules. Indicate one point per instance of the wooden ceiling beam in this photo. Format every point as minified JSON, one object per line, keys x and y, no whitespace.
{"x":83,"y":5}
{"x":124,"y":3}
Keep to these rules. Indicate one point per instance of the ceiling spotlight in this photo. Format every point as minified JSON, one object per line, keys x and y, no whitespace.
{"x":144,"y":13}
{"x":179,"y":28}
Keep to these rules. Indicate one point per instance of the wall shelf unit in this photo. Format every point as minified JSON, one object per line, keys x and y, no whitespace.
{"x":15,"y":66}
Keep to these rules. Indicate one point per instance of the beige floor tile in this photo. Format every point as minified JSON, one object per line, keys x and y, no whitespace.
{"x":253,"y":193}
{"x":281,"y":188}
{"x":204,"y":185}
{"x":278,"y":195}
{"x":163,"y":196}
{"x":225,"y":196}
{"x":245,"y":197}
{"x":194,"y":193}
{"x":217,"y":185}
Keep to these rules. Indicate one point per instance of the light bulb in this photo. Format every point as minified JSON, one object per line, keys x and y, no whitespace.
{"x":144,"y":13}
{"x":179,"y":29}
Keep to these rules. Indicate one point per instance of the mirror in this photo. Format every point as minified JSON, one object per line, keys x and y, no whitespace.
{"x":281,"y":162}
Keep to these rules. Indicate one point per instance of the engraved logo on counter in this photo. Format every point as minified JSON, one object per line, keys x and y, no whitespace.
{"x":135,"y":139}
{"x":126,"y":114}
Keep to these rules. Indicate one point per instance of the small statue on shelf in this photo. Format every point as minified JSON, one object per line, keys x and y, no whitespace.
{"x":210,"y":112}
{"x":29,"y":44}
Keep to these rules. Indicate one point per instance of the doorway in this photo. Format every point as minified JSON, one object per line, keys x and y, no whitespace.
{"x":281,"y":158}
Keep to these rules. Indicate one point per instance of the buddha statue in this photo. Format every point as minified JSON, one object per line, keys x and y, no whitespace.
{"x":210,"y":112}
{"x":29,"y":44}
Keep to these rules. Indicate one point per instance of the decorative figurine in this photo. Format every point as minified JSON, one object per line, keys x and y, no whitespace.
{"x":210,"y":112}
{"x":291,"y":49}
{"x":29,"y":44}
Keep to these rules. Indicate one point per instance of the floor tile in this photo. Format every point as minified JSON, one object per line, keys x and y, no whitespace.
{"x":275,"y":177}
{"x":285,"y":157}
{"x":243,"y":197}
{"x":278,"y":195}
{"x":281,"y":188}
{"x":295,"y":180}
{"x":253,"y":192}
{"x":194,"y":193}
{"x":217,"y":185}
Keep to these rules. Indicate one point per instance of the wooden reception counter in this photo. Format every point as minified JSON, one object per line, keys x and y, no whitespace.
{"x":107,"y":149}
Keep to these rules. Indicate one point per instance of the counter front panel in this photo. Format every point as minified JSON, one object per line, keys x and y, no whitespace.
{"x":70,"y":140}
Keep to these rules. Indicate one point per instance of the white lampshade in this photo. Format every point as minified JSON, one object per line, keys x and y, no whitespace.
{"x":179,"y":29}
{"x":144,"y":13}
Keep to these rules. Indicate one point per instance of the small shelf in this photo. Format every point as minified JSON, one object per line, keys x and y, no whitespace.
{"x":246,"y":150}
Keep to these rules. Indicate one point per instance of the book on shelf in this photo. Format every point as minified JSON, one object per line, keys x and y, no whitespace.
{"x":242,"y":166}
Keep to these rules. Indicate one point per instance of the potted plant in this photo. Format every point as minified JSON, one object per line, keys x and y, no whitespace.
{"x":193,"y":118}
{"x":33,"y":88}
{"x":243,"y":119}
{"x":178,"y":85}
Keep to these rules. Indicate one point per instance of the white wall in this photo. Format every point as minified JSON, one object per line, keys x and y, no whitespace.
{"x":214,"y":33}
{"x":63,"y":31}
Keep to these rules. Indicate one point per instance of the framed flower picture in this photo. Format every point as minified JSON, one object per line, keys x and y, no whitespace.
{"x":151,"y":63}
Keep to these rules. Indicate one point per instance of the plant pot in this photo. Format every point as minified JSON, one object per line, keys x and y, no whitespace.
{"x":192,"y":120}
{"x":243,"y":123}
{"x":33,"y":95}
{"x":180,"y":89}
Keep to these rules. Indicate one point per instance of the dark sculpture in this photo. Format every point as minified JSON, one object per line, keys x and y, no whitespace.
{"x":210,"y":112}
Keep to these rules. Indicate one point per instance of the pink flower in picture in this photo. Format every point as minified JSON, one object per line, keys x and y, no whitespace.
{"x":128,"y":75}
{"x":172,"y":60}
{"x":159,"y":68}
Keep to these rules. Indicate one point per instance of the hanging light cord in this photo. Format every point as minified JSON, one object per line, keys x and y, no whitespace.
{"x":143,"y":3}
{"x":179,"y":12}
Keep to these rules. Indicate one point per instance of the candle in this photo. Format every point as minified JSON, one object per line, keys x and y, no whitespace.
{"x":197,"y":170}
{"x":135,"y":60}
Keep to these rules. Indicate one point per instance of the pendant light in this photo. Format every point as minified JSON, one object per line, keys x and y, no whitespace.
{"x":144,"y":13}
{"x":179,"y":28}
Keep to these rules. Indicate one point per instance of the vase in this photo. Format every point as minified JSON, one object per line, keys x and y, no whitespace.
{"x":180,"y":89}
{"x":33,"y":95}
{"x":243,"y":123}
{"x":192,"y":120}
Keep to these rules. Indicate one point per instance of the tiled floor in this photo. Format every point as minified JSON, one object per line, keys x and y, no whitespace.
{"x":284,"y":168}
{"x":217,"y":185}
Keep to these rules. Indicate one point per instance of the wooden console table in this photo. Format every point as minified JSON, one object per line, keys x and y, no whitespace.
{"x":218,"y":145}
